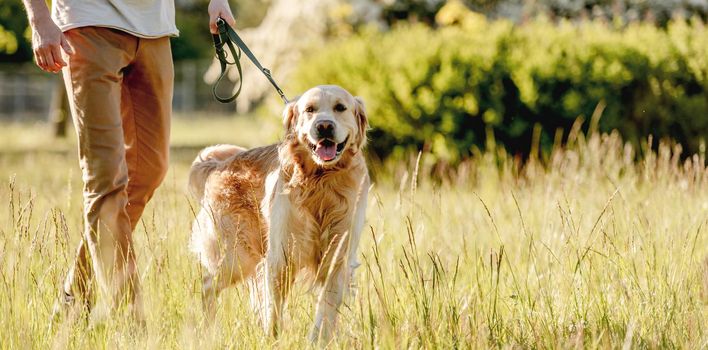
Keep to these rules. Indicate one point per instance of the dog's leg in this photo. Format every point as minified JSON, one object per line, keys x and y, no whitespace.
{"x":212,"y":285}
{"x":327,"y":304}
{"x":235,"y":267}
{"x":358,"y":224}
{"x":279,"y":278}
{"x":337,"y":283}
{"x":257,"y":293}
{"x":278,"y":275}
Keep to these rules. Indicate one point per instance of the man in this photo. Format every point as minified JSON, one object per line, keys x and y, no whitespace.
{"x":117,"y":65}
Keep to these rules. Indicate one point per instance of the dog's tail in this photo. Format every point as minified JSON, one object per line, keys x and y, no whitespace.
{"x":207,"y":160}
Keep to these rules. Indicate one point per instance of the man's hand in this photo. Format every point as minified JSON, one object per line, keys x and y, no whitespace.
{"x":220,"y":8}
{"x":47,"y":38}
{"x":47,"y":43}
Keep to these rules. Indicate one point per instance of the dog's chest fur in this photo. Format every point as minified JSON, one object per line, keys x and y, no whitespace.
{"x":323,"y":204}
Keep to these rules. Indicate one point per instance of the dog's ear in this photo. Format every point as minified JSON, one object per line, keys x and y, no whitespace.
{"x":362,"y":121}
{"x":290,"y":116}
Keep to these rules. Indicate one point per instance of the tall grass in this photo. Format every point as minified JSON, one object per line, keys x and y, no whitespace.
{"x":594,"y":245}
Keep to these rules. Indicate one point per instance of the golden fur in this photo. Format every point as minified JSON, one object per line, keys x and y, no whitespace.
{"x":273,"y":212}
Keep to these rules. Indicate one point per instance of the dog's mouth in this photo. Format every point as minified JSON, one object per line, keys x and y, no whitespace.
{"x":326,"y":150}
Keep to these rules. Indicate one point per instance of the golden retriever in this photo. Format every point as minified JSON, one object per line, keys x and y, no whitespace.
{"x":272,"y":213}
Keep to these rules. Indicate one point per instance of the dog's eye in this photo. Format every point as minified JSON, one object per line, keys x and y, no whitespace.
{"x":340,"y":107}
{"x":309,"y":109}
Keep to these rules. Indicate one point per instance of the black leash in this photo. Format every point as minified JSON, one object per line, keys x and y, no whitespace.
{"x":229,"y":37}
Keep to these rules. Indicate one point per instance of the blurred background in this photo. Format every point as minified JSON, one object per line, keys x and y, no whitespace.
{"x":449,"y":78}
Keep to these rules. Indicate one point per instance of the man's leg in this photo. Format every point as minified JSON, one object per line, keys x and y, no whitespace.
{"x":78,"y":281}
{"x":146,"y":107}
{"x":93,"y":77}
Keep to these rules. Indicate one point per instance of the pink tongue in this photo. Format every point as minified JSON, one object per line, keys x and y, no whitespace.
{"x":326,"y":153}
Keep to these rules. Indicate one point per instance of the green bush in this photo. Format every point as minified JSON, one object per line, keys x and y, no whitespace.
{"x":447,"y":90}
{"x":15,"y":45}
{"x":8,"y":42}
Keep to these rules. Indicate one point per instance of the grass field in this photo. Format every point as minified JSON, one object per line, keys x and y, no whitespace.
{"x":590,"y":249}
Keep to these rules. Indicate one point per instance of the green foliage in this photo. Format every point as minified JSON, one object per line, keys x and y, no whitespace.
{"x":195,"y":41}
{"x":8,"y":42}
{"x":15,"y":45}
{"x":448,"y":90}
{"x":655,"y":11}
{"x":658,"y":11}
{"x":410,"y":10}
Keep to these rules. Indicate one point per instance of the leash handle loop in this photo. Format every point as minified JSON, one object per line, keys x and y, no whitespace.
{"x":227,"y":36}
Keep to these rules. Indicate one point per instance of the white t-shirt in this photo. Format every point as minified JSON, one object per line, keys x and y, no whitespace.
{"x":142,"y":18}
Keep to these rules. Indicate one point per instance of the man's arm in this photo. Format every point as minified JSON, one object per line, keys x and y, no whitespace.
{"x":47,"y":38}
{"x":218,"y":8}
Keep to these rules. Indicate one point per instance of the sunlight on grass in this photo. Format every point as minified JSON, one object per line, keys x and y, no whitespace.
{"x":188,"y":130}
{"x":589,"y":248}
{"x":247,"y":130}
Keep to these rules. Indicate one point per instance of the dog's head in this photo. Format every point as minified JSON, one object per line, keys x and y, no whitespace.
{"x":329,"y":122}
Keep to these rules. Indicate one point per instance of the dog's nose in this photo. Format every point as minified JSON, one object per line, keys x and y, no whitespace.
{"x":325,"y":129}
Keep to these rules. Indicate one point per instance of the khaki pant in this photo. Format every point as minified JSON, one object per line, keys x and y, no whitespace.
{"x":120,"y":91}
